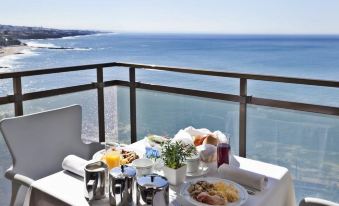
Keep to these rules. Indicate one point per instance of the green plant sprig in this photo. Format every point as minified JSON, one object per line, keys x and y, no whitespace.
{"x":174,"y":154}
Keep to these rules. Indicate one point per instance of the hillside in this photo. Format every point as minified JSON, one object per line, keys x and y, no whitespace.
{"x":11,"y":35}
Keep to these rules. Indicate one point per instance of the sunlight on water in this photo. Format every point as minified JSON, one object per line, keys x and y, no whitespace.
{"x":53,"y":81}
{"x":124,"y":127}
{"x":111,"y":115}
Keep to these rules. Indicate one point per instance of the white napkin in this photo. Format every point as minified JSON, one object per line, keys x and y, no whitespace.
{"x":208,"y":152}
{"x":74,"y":164}
{"x":184,"y":137}
{"x":203,"y":131}
{"x":243,"y":177}
{"x":193,"y":131}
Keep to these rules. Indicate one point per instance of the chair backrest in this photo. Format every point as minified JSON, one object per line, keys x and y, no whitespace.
{"x":39,"y":142}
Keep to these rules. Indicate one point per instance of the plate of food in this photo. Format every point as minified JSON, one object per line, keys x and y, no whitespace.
{"x":213,"y":191}
{"x":127,"y":156}
{"x":156,"y":140}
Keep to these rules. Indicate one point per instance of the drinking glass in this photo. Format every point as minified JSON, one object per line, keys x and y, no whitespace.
{"x":112,"y":159}
{"x":223,"y":153}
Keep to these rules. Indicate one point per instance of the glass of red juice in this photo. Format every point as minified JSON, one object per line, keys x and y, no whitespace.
{"x":223,"y":151}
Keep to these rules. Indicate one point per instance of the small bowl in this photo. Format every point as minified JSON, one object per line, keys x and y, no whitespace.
{"x":143,"y":166}
{"x":193,"y":164}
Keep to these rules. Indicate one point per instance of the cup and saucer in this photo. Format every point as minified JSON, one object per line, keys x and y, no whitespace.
{"x":194,"y":168}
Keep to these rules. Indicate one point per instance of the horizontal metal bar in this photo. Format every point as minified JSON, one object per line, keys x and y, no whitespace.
{"x":191,"y":92}
{"x":58,"y":91}
{"x":116,"y":83}
{"x":7,"y":99}
{"x":53,"y":70}
{"x":235,"y":98}
{"x":271,"y":78}
{"x":295,"y":106}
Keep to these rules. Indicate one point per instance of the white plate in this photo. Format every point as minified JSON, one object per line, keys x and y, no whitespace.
{"x":98,"y":155}
{"x":201,"y":171}
{"x":243,"y":196}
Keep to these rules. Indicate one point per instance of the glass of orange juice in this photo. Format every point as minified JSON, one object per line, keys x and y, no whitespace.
{"x":112,"y":159}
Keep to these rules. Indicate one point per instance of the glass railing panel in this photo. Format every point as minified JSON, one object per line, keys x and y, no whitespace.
{"x":305,"y":143}
{"x":165,"y":114}
{"x":189,"y":81}
{"x":6,"y":87}
{"x":6,"y":110}
{"x":116,"y":73}
{"x":88,"y":102}
{"x":123,"y":111}
{"x":57,"y":80}
{"x":117,"y":116}
{"x":111,"y":115}
{"x":326,"y":96}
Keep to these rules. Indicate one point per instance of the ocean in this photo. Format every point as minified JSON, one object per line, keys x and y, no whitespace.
{"x":305,"y":143}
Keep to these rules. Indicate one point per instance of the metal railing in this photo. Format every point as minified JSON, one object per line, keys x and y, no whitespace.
{"x":243,"y":99}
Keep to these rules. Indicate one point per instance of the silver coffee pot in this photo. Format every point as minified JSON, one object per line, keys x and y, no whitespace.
{"x":121,"y":183}
{"x":95,"y":181}
{"x":152,"y":190}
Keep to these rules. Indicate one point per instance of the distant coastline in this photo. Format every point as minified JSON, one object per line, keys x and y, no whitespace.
{"x":11,"y":36}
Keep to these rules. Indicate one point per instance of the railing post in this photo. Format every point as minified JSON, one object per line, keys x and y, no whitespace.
{"x":132,"y":97}
{"x":242,"y":118}
{"x":17,"y":89}
{"x":101,"y":104}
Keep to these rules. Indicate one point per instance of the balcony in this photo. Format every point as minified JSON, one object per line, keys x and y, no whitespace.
{"x":125,"y":102}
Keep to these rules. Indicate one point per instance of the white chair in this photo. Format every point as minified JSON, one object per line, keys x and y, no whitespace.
{"x":311,"y":201}
{"x":38,"y":144}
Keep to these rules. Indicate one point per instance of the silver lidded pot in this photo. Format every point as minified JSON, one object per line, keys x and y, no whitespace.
{"x":152,"y":190}
{"x":121,"y":183}
{"x":95,"y":181}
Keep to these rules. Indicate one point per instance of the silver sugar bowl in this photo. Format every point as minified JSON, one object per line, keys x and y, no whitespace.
{"x":121,"y":183}
{"x":152,"y":190}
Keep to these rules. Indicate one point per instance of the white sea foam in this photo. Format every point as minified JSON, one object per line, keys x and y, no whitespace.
{"x":82,"y":49}
{"x":41,"y":45}
{"x":69,"y":37}
{"x":9,"y":61}
{"x":98,"y":34}
{"x":34,"y":44}
{"x":105,"y":34}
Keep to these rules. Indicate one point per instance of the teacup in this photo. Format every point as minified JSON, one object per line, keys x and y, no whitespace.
{"x":143,"y":166}
{"x":193,"y":164}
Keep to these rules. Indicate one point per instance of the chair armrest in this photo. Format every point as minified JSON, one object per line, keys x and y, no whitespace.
{"x":311,"y":201}
{"x":22,"y":179}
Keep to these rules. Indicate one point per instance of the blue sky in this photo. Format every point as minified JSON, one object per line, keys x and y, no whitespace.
{"x":178,"y":16}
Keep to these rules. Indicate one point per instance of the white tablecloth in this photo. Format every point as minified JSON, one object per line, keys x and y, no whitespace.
{"x":64,"y":188}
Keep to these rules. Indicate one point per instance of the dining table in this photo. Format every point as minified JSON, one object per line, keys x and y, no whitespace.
{"x":66,"y":188}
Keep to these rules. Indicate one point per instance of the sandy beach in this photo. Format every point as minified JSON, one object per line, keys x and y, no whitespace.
{"x":10,"y":50}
